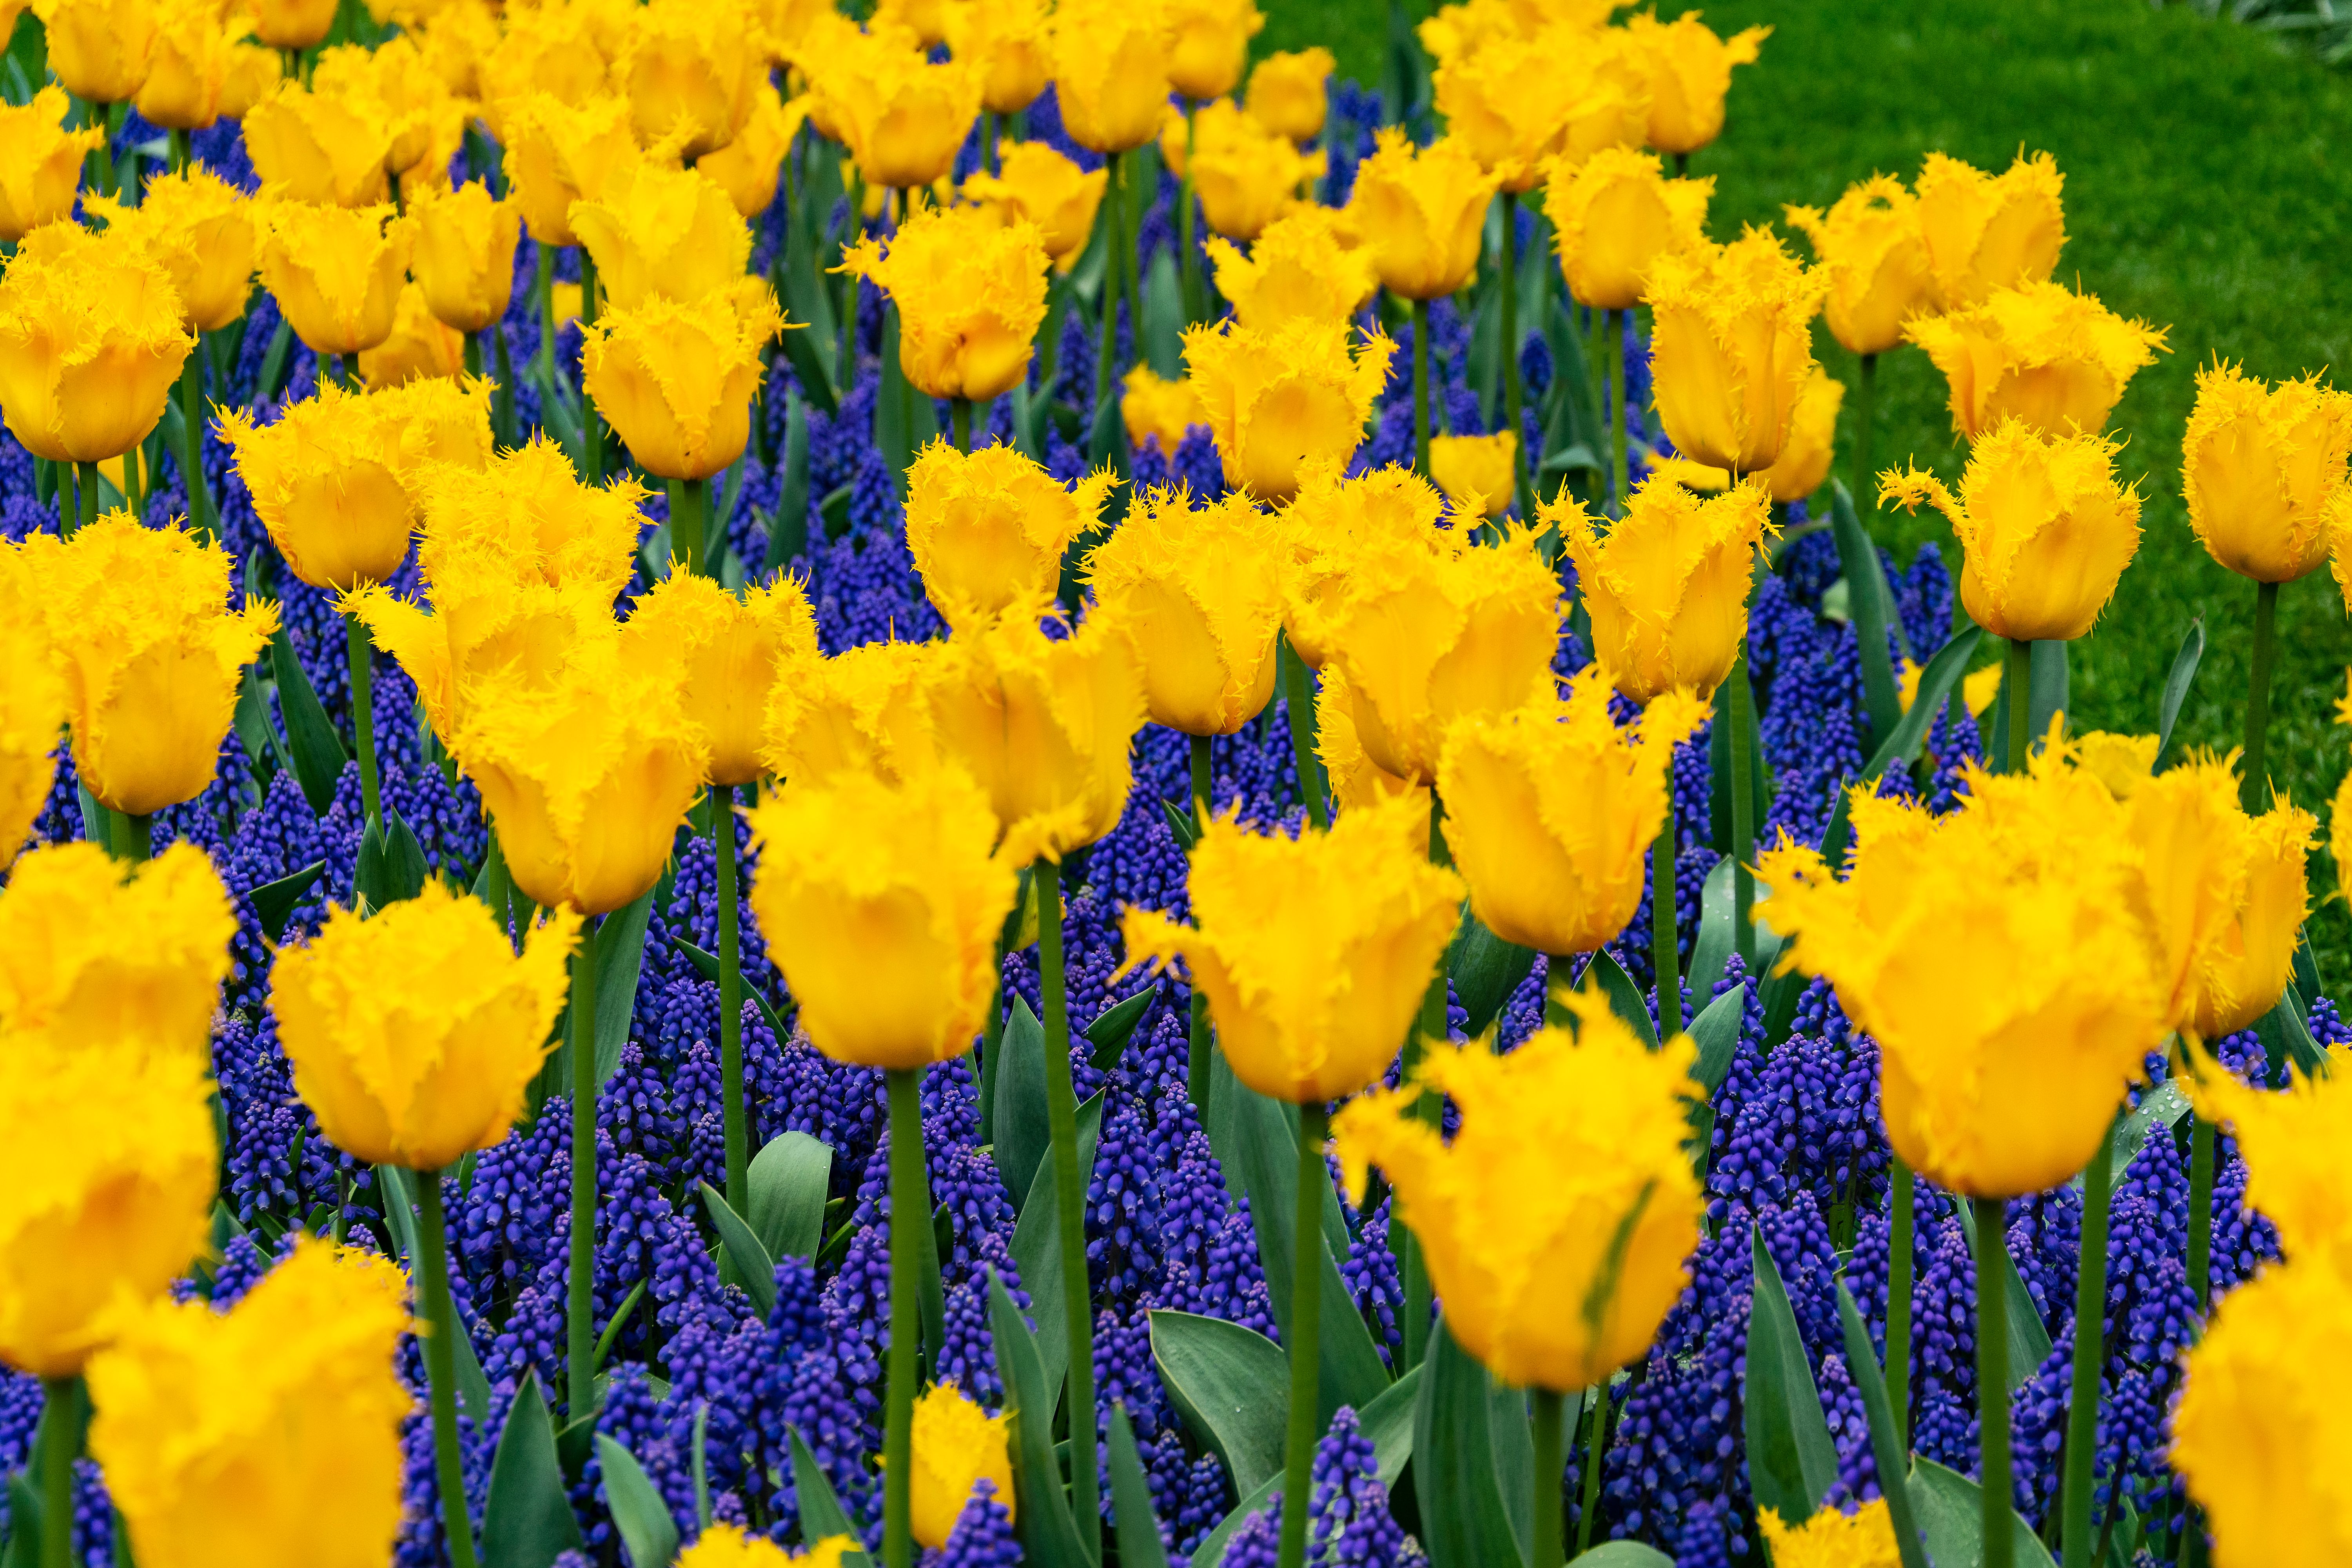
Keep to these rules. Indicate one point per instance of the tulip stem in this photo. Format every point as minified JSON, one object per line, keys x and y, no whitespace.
{"x":1665,"y":955}
{"x":1298,"y":697}
{"x":1865,"y":412}
{"x":86,"y":478}
{"x":1612,"y":344}
{"x":960,"y":421}
{"x":2258,"y":696}
{"x":1188,"y":279}
{"x":1992,"y":1382}
{"x":362,"y":661}
{"x":2090,"y":1351}
{"x":1596,"y":1436}
{"x":579,"y":1319}
{"x":1549,"y":1466}
{"x":1421,"y":388}
{"x":987,"y":143}
{"x":1899,"y":1223}
{"x":134,"y":837}
{"x":60,"y":1420}
{"x":191,"y":439}
{"x":440,"y":1315}
{"x":688,"y":551}
{"x":2201,"y":1214}
{"x":730,"y":1000}
{"x":910,"y":1193}
{"x":1305,"y":1324}
{"x":180,"y":154}
{"x":1196,"y":1074}
{"x":1114,"y":227}
{"x":1430,"y":1026}
{"x":1511,"y":394}
{"x":543,"y":289}
{"x":1743,"y":812}
{"x":2017,"y":685}
{"x":1069,"y":1206}
{"x":591,"y":430}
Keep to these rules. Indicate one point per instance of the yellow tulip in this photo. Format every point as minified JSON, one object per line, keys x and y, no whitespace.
{"x":1863,"y":1539}
{"x":1995,"y":956}
{"x":396,"y":91}
{"x":32,"y":712}
{"x":2286,"y":1140}
{"x":90,"y":344}
{"x":546,"y":51}
{"x":747,"y":167}
{"x":726,"y":1546}
{"x":2260,"y":467}
{"x":971,"y":294}
{"x":1314,"y":953}
{"x":1035,"y":182}
{"x":1284,"y":400}
{"x":98,"y":50}
{"x":420,"y":346}
{"x":558,"y":153}
{"x":1201,"y":591}
{"x":1872,"y":245}
{"x":1327,"y":523}
{"x":988,"y":529}
{"x":1732,"y":347}
{"x":1209,"y":45}
{"x":338,"y":479}
{"x":253,"y":74}
{"x":2122,"y":763}
{"x":1356,"y":780}
{"x":690,"y":68}
{"x":1475,"y":472}
{"x":1307,"y":263}
{"x":488,"y":621}
{"x":1112,"y":62}
{"x":1459,"y":29}
{"x":864,"y":711}
{"x":730,"y":652}
{"x":40,"y":163}
{"x":292,"y":24}
{"x":455,"y":37}
{"x":1167,"y":409}
{"x":464,"y":259}
{"x":887,"y":941}
{"x":1422,"y":212}
{"x":1287,"y":92}
{"x":1550,"y":810}
{"x":676,"y":381}
{"x":1689,"y":70}
{"x":902,"y":118}
{"x":1803,"y":462}
{"x":1987,"y":232}
{"x":1518,"y":101}
{"x":957,"y":1444}
{"x":1613,"y":216}
{"x":202,"y":230}
{"x":188,"y":65}
{"x":2039,"y":352}
{"x":2044,"y":530}
{"x":325,"y":148}
{"x":1245,"y":176}
{"x":662,"y":233}
{"x":529,"y":517}
{"x":152,"y":655}
{"x":337,"y":272}
{"x":1559,"y":1222}
{"x":1006,"y":41}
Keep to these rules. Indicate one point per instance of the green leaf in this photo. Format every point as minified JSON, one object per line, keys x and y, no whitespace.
{"x":1716,"y":1032}
{"x":253,"y":730}
{"x":2287,"y":1039}
{"x":528,"y":1521}
{"x":1042,"y":1510}
{"x":312,"y":746}
{"x":24,"y":1547}
{"x":274,"y":902}
{"x":620,"y":957}
{"x":1792,"y":1460}
{"x":1106,"y":438}
{"x":1625,"y":996}
{"x":1022,"y":1133}
{"x":2164,"y":1105}
{"x":1387,"y":1422}
{"x":1139,"y":1545}
{"x":822,"y":1515}
{"x":1037,"y":1246}
{"x":1711,"y":950}
{"x":473,"y":1384}
{"x":2047,"y":685}
{"x":1624,"y":1554}
{"x":788,"y":529}
{"x":1163,"y":317}
{"x":1180,"y":824}
{"x":1485,"y":969}
{"x":1871,"y":606}
{"x":1951,"y":1516}
{"x":2028,"y":1341}
{"x":1474,"y":1479}
{"x":801,"y":350}
{"x":1936,"y":683}
{"x":752,"y":1264}
{"x":788,"y":1179}
{"x":640,"y":1515}
{"x":1718,"y":751}
{"x":1887,"y":1448}
{"x":391,"y":866}
{"x":399,"y":1190}
{"x":273,"y":359}
{"x":2176,"y":685}
{"x":1227,"y":1382}
{"x":1110,"y":1031}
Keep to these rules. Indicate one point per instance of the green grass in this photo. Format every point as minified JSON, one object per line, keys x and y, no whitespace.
{"x":2199,"y":197}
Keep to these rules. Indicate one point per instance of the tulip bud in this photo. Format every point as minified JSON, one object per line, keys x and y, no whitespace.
{"x":1287,"y":91}
{"x":2260,"y":466}
{"x":1476,"y":472}
{"x":1422,"y":212}
{"x":688,"y":69}
{"x":1732,"y":347}
{"x":464,"y":259}
{"x":295,"y":25}
{"x":1307,"y":263}
{"x":1327,"y":523}
{"x":270,"y":1432}
{"x":971,"y":295}
{"x":2041,"y":353}
{"x":1200,"y":592}
{"x":663,"y":233}
{"x":98,"y":50}
{"x":1314,"y":953}
{"x":1874,"y":250}
{"x":902,"y":118}
{"x":1613,"y":216}
{"x":1209,"y":45}
{"x":1558,"y":1221}
{"x":1112,"y":63}
{"x":202,"y":230}
{"x":1517,"y":101}
{"x":988,"y":529}
{"x":337,"y":272}
{"x":747,"y":167}
{"x":90,"y":344}
{"x":1689,"y":70}
{"x":1286,"y":399}
{"x":2045,"y":532}
{"x":558,"y":153}
{"x":1036,"y":184}
{"x":40,"y":163}
{"x":1006,"y":42}
{"x":888,"y":942}
{"x":676,"y":381}
{"x":1245,"y":177}
{"x":864,"y":710}
{"x":1987,"y":232}
{"x":730,"y":653}
{"x":957,"y":1445}
{"x":1357,"y":781}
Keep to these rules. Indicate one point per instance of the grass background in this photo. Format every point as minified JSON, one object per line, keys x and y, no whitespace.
{"x":2199,"y":197}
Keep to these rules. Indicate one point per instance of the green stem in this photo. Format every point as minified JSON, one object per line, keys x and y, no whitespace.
{"x":134,"y":837}
{"x":103,"y":153}
{"x":1113,"y":213}
{"x":1549,"y":1422}
{"x":1596,"y":1435}
{"x":2200,"y":1214}
{"x":440,"y":1314}
{"x":2258,"y":698}
{"x":1188,"y":278}
{"x":730,"y":1000}
{"x":1865,"y":492}
{"x":61,"y":1416}
{"x":592,"y":424}
{"x":1298,"y":696}
{"x":1512,"y":396}
{"x":474,"y":357}
{"x":542,"y":286}
{"x":580,"y":1327}
{"x":1069,"y":1206}
{"x":852,"y":227}
{"x":180,"y":153}
{"x":2090,"y":1351}
{"x":1899,"y":1221}
{"x":86,"y":478}
{"x":987,"y":144}
{"x":1421,"y":388}
{"x":960,"y":421}
{"x":2017,"y":684}
{"x":1992,"y":1383}
{"x":503,"y":408}
{"x":910,"y":1206}
{"x":192,"y":443}
{"x":1663,"y":956}
{"x":1196,"y":1075}
{"x":688,"y":551}
{"x":1743,"y":815}
{"x":1613,"y":346}
{"x":362,"y":661}
{"x":1305,"y":1324}
{"x":1431,"y":1025}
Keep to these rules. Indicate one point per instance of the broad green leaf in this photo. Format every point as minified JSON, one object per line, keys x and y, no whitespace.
{"x":1485,"y":969}
{"x":528,"y":1521}
{"x":2176,"y":683}
{"x":822,"y":1515}
{"x":274,"y":902}
{"x":1022,"y":1133}
{"x":1792,"y":1460}
{"x":1037,"y":1250}
{"x":1041,"y":1508}
{"x":2164,"y":1106}
{"x":2028,"y":1341}
{"x":752,"y":1264}
{"x":1872,"y":606}
{"x":1719,"y":762}
{"x":2287,"y":1039}
{"x":1388,"y":1422}
{"x":1139,"y":1545}
{"x":1711,"y":950}
{"x":1624,"y":1554}
{"x":1114,"y":1027}
{"x":1227,"y":1382}
{"x":1951,"y":1516}
{"x":399,"y":1190}
{"x":313,"y":745}
{"x":1717,"y":1033}
{"x":1474,"y":1479}
{"x":789,"y":1179}
{"x":788,"y":529}
{"x":1625,"y":996}
{"x":620,"y":958}
{"x":1163,"y":317}
{"x":391,"y":865}
{"x":1887,"y":1448}
{"x":639,"y":1514}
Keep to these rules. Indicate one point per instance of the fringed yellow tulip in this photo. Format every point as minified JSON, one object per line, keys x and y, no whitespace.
{"x":1167,"y":409}
{"x":558,"y":154}
{"x":98,"y":48}
{"x":731,"y":652}
{"x":253,"y":74}
{"x":748,"y":167}
{"x":1006,"y":42}
{"x":1804,"y":461}
{"x":1327,"y":523}
{"x":990,"y":529}
{"x":2122,"y":763}
{"x":1201,"y":591}
{"x":529,"y":517}
{"x":1987,"y":232}
{"x":2289,"y":1142}
{"x":545,"y":50}
{"x":1111,"y":65}
{"x":293,"y":24}
{"x":394,"y":89}
{"x":32,"y":712}
{"x":188,"y":65}
{"x":1732,"y":347}
{"x":420,"y":346}
{"x":2045,"y":532}
{"x":971,"y":294}
{"x":1520,"y":100}
{"x":1356,"y":780}
{"x":887,"y":941}
{"x":1286,"y":93}
{"x":2260,"y":467}
{"x":957,"y":1444}
{"x":1036,"y":183}
{"x":337,"y":272}
{"x":1306,"y":264}
{"x":690,"y":69}
{"x":1613,"y":216}
{"x":2040,"y":352}
{"x":40,"y":163}
{"x":1282,"y":401}
{"x":677,"y":379}
{"x":464,"y":259}
{"x":1209,"y":45}
{"x":272,"y":1431}
{"x":1872,"y":245}
{"x":487,"y":621}
{"x":1863,"y":1539}
{"x":90,"y":344}
{"x":726,"y":1546}
{"x":864,"y":711}
{"x":1689,"y":70}
{"x":662,"y":233}
{"x":1475,"y":472}
{"x":1245,"y":177}
{"x":1421,"y":212}
{"x":926,"y":20}
{"x":1557,"y":1222}
{"x":202,"y":229}
{"x":902,"y":118}
{"x":324,"y":148}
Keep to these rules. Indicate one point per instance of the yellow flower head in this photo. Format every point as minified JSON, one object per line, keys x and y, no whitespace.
{"x":418,"y":348}
{"x":957,"y":1445}
{"x":338,"y":272}
{"x":456,"y":37}
{"x":270,"y":1432}
{"x":1667,"y":586}
{"x":1422,"y":212}
{"x":676,"y":380}
{"x":254,"y":73}
{"x":107,"y":1170}
{"x":2289,"y":1140}
{"x":465,"y":250}
{"x":417,"y":1075}
{"x":887,"y":941}
{"x":1457,"y":29}
{"x":2260,"y":466}
{"x":394,"y":89}
{"x":32,"y":711}
{"x":151,"y":655}
{"x":1804,"y":459}
{"x":1036,"y":184}
{"x":1283,"y":399}
{"x":1613,"y":216}
{"x":1995,"y":955}
{"x":1690,"y":76}
{"x":40,"y":163}
{"x":658,"y":232}
{"x":488,"y":620}
{"x":1863,"y":1539}
{"x":901,"y":117}
{"x":2039,"y":352}
{"x":545,"y":49}
{"x":1550,"y":809}
{"x":1286,"y":93}
{"x":325,"y":148}
{"x":1872,"y":244}
{"x":1112,"y":61}
{"x":90,"y":344}
{"x":1313,"y":952}
{"x":189,"y":63}
{"x":528,"y":515}
{"x":1150,"y":406}
{"x":726,"y":1546}
{"x":1520,"y":100}
{"x":1356,"y":779}
{"x":1732,"y":347}
{"x":1987,"y":232}
{"x":690,"y":69}
{"x":1306,"y":264}
{"x":1475,"y":472}
{"x":1210,"y":44}
{"x":2122,"y":763}
{"x":202,"y":230}
{"x":747,"y":167}
{"x":2045,"y":532}
{"x":559,"y":152}
{"x":733,"y":651}
{"x":95,"y":954}
{"x":988,"y":529}
{"x":1244,"y":176}
{"x":98,"y":48}
{"x":864,"y":711}
{"x":338,"y":478}
{"x":1559,"y":1220}
{"x":1200,"y":590}
{"x":971,"y":292}
{"x":292,"y":24}
{"x":1006,"y":43}
{"x":1328,"y":522}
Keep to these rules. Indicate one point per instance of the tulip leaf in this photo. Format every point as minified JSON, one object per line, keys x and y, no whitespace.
{"x":1887,"y":1446}
{"x":1139,"y":1545}
{"x":1106,"y":438}
{"x":1485,"y":969}
{"x":1387,"y":1422}
{"x":2029,"y":1339}
{"x":620,"y":958}
{"x":2307,"y":969}
{"x":253,"y":730}
{"x":1163,"y":317}
{"x":24,"y":1546}
{"x":391,"y":866}
{"x":1037,"y":1246}
{"x":1041,"y":1508}
{"x":1115,"y":1025}
{"x":274,"y":902}
{"x":1625,"y":996}
{"x":528,"y":1521}
{"x":1476,"y":1476}
{"x":1870,"y":605}
{"x":1717,"y":1033}
{"x":788,"y":529}
{"x":2176,"y":685}
{"x":751,"y":1261}
{"x":1711,"y":950}
{"x":1624,"y":1554}
{"x":1220,"y":1377}
{"x":399,"y":1192}
{"x":802,"y":351}
{"x":1950,"y":1509}
{"x":1791,"y":1458}
{"x":1181,"y":824}
{"x":822,"y":1515}
{"x":2046,"y":686}
{"x":789,"y":1178}
{"x":2287,"y":1039}
{"x":1021,"y":1128}
{"x":1718,"y":752}
{"x":639,"y":1514}
{"x":273,"y":359}
{"x":311,"y":744}
{"x":2163,"y":1104}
